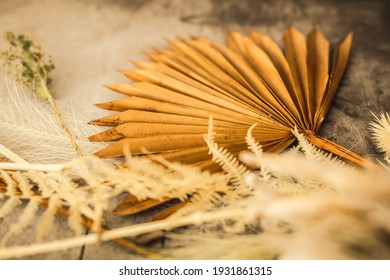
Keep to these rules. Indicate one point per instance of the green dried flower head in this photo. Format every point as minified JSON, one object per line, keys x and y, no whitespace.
{"x":26,"y":54}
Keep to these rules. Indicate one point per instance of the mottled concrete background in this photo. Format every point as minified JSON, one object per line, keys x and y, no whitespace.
{"x":89,"y":40}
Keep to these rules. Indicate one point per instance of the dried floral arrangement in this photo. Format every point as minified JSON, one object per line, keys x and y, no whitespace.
{"x":271,"y":206}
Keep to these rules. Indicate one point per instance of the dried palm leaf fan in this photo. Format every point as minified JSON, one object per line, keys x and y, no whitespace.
{"x":248,"y":81}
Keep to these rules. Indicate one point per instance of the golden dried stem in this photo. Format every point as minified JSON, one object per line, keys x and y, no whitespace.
{"x":340,"y":151}
{"x":59,"y":117}
{"x":122,"y":241}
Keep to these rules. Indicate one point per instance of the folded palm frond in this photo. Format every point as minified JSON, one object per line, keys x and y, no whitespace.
{"x":250,"y":80}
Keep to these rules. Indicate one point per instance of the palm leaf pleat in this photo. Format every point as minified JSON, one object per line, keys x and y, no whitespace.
{"x":249,"y":80}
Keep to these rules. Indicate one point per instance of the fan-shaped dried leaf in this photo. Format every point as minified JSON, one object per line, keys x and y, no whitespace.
{"x":247,"y":81}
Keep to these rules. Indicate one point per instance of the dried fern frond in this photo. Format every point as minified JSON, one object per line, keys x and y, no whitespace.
{"x":282,"y":224}
{"x":226,"y":160}
{"x":98,"y":183}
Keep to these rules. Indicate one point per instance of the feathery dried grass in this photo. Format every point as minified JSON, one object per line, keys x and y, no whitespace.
{"x":267,"y":215}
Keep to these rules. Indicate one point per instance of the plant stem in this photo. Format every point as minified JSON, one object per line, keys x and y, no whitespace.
{"x":338,"y":150}
{"x":133,"y":230}
{"x":11,"y":155}
{"x":124,"y":242}
{"x":31,"y":167}
{"x":59,"y":117}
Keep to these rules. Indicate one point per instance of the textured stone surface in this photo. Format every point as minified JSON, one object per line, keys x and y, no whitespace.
{"x":89,"y":40}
